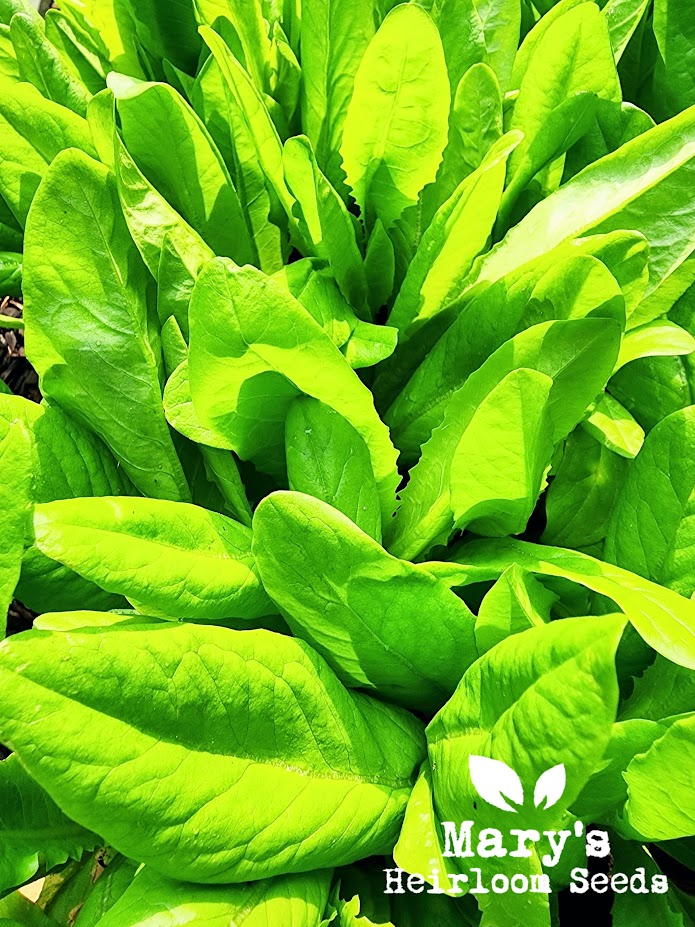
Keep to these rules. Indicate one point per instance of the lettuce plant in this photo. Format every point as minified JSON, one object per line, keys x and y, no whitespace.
{"x":357,"y":516}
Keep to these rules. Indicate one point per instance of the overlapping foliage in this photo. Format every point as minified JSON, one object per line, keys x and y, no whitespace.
{"x":364,"y":333}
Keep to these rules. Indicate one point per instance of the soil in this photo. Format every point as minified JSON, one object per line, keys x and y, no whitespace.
{"x":15,"y":369}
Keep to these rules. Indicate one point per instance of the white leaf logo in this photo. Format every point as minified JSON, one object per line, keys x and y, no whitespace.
{"x":550,"y":787}
{"x":494,"y":780}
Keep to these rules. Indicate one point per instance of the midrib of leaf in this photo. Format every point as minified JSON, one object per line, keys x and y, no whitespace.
{"x":381,"y":146}
{"x":340,"y":776}
{"x":145,"y":346}
{"x":203,"y":553}
{"x":326,"y":121}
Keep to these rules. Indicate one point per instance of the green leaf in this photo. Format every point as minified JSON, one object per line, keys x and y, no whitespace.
{"x":287,"y":75}
{"x":84,"y":51}
{"x":458,"y":233}
{"x":246,"y":17}
{"x":573,"y":56}
{"x":222,"y":470}
{"x":651,"y":388}
{"x":41,"y":64}
{"x":370,"y":344}
{"x":674,"y":84}
{"x":9,"y":68}
{"x":613,"y":125}
{"x":606,"y":791}
{"x":15,"y":477}
{"x":227,"y":121}
{"x":106,"y":891}
{"x":419,"y":847}
{"x":313,"y":285}
{"x":558,"y":350}
{"x":564,"y":125}
{"x":10,"y":273}
{"x":613,"y":426}
{"x":33,"y":131}
{"x":108,"y":20}
{"x":658,"y":807}
{"x":475,"y":124}
{"x":79,"y":620}
{"x":664,"y":619}
{"x":381,"y":623}
{"x":328,"y":459}
{"x":396,"y":124}
{"x":552,"y":12}
{"x":350,"y":914}
{"x":103,"y":355}
{"x":69,"y":460}
{"x":167,"y":558}
{"x":20,"y":911}
{"x":665,"y":689}
{"x":561,"y":675}
{"x":256,"y":127}
{"x":629,"y":189}
{"x":34,"y":833}
{"x":174,"y":36}
{"x":655,"y":339}
{"x":101,"y":120}
{"x":45,"y":585}
{"x":623,"y":17}
{"x":173,"y":252}
{"x":8,"y":8}
{"x":551,"y":286}
{"x":205,"y":491}
{"x":583,"y":491}
{"x":298,"y":900}
{"x":203,"y":717}
{"x":64,"y":891}
{"x":335,"y":36}
{"x":475,"y":31}
{"x":285,"y":353}
{"x":493,"y":490}
{"x":631,"y":909}
{"x":173,"y":150}
{"x":651,"y":531}
{"x":379,"y":267}
{"x":667,"y":296}
{"x":568,"y":285}
{"x":515,"y":603}
{"x":178,"y":407}
{"x":325,"y":222}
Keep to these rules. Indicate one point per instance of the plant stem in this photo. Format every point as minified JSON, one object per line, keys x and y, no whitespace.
{"x":8,"y":321}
